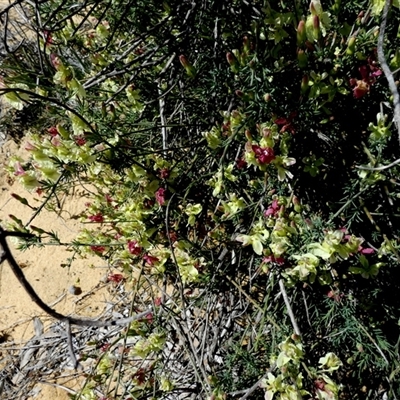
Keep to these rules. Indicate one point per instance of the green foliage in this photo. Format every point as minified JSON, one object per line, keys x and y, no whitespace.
{"x":223,"y":140}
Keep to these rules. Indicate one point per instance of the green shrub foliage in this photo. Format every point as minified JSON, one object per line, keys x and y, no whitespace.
{"x":224,"y":148}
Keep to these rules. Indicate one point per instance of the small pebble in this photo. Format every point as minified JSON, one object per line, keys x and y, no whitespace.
{"x":75,"y":290}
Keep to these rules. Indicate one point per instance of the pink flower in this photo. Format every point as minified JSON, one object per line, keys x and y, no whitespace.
{"x":157,"y":301}
{"x":55,"y":61}
{"x":134,"y":247}
{"x":19,"y":171}
{"x":56,"y":141}
{"x":30,"y":147}
{"x":366,"y":250}
{"x":273,"y":209}
{"x":151,"y":260}
{"x":97,"y":218}
{"x":149,"y":318}
{"x":160,"y":196}
{"x":264,"y":155}
{"x":273,"y":259}
{"x":334,"y":295}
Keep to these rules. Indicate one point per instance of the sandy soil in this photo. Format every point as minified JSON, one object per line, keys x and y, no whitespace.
{"x":42,"y":267}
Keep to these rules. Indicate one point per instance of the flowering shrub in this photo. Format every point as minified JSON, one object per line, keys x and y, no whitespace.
{"x":228,"y":152}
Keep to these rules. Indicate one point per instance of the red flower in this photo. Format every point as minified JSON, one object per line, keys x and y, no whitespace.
{"x":368,"y":73}
{"x":264,"y":155}
{"x":240,"y":163}
{"x":80,"y":140}
{"x":53,"y":131}
{"x":117,"y":278}
{"x":140,"y":376}
{"x":173,"y":236}
{"x":108,"y":198}
{"x":160,"y":196}
{"x":151,"y":260}
{"x":98,"y":249}
{"x":134,"y":247}
{"x":360,"y":88}
{"x":48,"y":37}
{"x":97,"y":218}
{"x":287,"y":123}
{"x":273,"y":259}
{"x":164,"y":173}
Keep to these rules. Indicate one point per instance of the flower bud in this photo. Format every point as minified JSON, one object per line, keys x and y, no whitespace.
{"x":232,"y":61}
{"x":395,"y":61}
{"x":315,"y":7}
{"x":360,"y":18}
{"x":267,"y":97}
{"x":239,"y":93}
{"x":302,"y":58}
{"x":365,"y":17}
{"x":301,"y":33}
{"x":112,"y":112}
{"x":313,"y":10}
{"x":310,"y":46}
{"x":247,"y":133}
{"x":236,"y":54}
{"x":190,"y":70}
{"x":336,"y":6}
{"x":304,"y":84}
{"x":230,"y":58}
{"x":351,"y":46}
{"x":316,"y":26}
{"x":184,"y":61}
{"x":246,"y":44}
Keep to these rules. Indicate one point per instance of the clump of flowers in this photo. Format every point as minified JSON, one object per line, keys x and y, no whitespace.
{"x":369,"y":72}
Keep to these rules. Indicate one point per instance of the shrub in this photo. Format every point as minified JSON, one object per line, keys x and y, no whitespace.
{"x":233,"y":148}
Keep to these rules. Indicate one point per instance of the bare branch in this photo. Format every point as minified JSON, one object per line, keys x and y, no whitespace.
{"x":386,"y":69}
{"x":289,"y":308}
{"x":36,"y":299}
